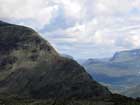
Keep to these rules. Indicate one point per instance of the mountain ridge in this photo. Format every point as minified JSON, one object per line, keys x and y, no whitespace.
{"x":127,"y":55}
{"x":120,"y":73}
{"x":31,"y":67}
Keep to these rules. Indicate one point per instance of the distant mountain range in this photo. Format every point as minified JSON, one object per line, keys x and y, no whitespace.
{"x":120,"y":72}
{"x":133,"y":91}
{"x":67,"y":56}
{"x":126,"y":55}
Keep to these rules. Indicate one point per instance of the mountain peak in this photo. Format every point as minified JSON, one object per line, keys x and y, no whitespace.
{"x":32,"y":68}
{"x":19,"y":37}
{"x":126,"y":55}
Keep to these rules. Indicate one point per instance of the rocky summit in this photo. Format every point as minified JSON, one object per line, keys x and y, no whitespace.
{"x":31,"y":67}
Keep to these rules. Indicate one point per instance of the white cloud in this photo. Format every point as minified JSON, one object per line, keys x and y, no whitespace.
{"x":134,"y":40}
{"x":72,"y":8}
{"x":39,"y":11}
{"x":104,"y":25}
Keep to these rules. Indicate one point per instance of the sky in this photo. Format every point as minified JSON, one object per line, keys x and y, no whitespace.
{"x":80,"y":28}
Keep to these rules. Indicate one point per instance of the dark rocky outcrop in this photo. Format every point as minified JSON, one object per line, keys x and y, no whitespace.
{"x":30,"y":67}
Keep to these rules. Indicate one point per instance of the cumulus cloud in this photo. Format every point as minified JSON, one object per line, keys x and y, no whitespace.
{"x":97,"y":28}
{"x":41,"y":12}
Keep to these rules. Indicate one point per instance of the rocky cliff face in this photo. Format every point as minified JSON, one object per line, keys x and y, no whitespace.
{"x":30,"y":67}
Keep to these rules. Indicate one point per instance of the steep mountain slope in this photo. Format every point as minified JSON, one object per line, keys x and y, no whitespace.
{"x":30,"y":67}
{"x":120,"y":73}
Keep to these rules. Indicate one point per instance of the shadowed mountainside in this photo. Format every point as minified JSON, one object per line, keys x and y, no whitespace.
{"x":30,"y":67}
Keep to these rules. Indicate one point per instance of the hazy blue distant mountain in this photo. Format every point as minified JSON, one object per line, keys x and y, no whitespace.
{"x":126,"y":55}
{"x":133,"y":91}
{"x":120,"y":72}
{"x":91,"y":60}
